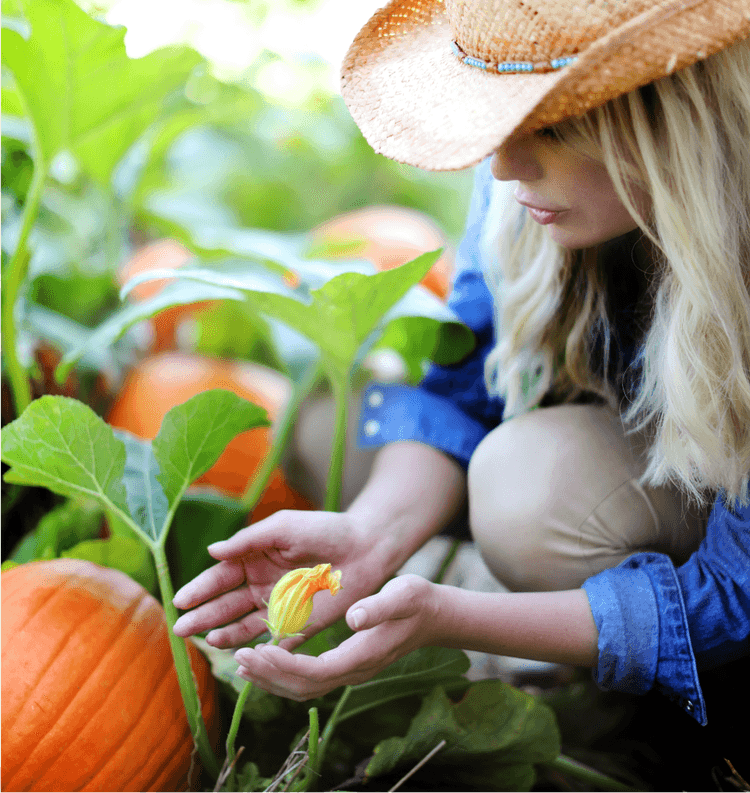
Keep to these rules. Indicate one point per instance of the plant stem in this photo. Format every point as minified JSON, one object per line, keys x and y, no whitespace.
{"x":341,"y":389}
{"x":16,"y":270}
{"x":312,"y":751}
{"x":595,"y":779}
{"x":328,"y":731}
{"x":236,"y":718}
{"x":185,"y":677}
{"x":450,"y":555}
{"x":284,"y":430}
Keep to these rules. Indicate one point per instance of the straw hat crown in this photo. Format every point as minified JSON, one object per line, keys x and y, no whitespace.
{"x":441,"y":83}
{"x":535,"y":31}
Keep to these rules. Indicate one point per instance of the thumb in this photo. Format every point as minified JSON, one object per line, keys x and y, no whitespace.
{"x":395,"y":601}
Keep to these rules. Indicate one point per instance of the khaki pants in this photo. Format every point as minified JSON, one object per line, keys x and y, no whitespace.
{"x":553,"y":496}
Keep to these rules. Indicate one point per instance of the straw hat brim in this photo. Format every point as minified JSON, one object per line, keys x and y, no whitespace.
{"x":417,"y":103}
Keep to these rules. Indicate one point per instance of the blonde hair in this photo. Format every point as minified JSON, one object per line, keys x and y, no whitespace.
{"x":684,"y":140}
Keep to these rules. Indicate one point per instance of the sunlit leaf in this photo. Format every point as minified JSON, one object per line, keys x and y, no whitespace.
{"x":61,"y":444}
{"x":120,"y":553}
{"x":193,"y":436}
{"x":82,"y":92}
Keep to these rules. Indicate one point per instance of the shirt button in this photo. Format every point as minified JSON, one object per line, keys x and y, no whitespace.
{"x":689,"y":706}
{"x":375,"y":399}
{"x":372,"y":427}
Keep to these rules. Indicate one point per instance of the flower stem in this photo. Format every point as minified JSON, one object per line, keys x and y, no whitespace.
{"x":16,"y":271}
{"x":185,"y":677}
{"x":328,"y":731}
{"x":284,"y":430}
{"x":236,"y":718}
{"x":595,"y":779}
{"x":312,"y":751}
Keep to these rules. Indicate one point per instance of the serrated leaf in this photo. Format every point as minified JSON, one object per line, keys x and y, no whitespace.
{"x":82,"y":91}
{"x":61,"y":444}
{"x":495,"y":733}
{"x":194,"y":434}
{"x":146,"y":500}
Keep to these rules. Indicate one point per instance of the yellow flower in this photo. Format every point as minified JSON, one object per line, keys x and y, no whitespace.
{"x":291,"y":603}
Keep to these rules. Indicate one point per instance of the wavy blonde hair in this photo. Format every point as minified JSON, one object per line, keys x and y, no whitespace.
{"x":685,"y":140}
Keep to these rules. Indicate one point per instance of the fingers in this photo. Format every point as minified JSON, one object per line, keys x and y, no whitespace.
{"x":219,"y":611}
{"x":252,"y":538}
{"x":217,"y":579}
{"x":303,"y":677}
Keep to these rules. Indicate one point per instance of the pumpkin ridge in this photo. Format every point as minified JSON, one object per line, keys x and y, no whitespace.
{"x":124,"y":618}
{"x":8,"y":723}
{"x":95,"y":772}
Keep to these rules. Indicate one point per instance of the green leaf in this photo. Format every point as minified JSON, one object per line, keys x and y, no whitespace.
{"x":61,"y":444}
{"x":494,"y":735}
{"x":121,"y":553}
{"x":145,"y":496}
{"x":415,"y":673}
{"x":347,"y":309}
{"x":61,"y":528}
{"x":82,"y":92}
{"x":116,"y":325}
{"x":194,"y":434}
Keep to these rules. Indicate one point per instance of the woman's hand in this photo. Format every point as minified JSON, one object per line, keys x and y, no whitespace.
{"x":402,"y":617}
{"x":227,"y":599}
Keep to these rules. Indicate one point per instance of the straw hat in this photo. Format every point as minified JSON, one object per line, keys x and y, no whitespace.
{"x":441,"y":83}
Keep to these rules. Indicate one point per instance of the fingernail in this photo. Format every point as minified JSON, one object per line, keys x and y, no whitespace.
{"x":358,"y":618}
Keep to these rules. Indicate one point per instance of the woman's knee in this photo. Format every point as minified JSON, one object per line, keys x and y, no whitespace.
{"x":553,"y":498}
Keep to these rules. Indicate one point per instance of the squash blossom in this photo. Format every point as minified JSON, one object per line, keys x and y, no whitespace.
{"x":291,"y":603}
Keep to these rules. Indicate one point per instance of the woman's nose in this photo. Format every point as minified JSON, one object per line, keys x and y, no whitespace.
{"x":516,"y":160}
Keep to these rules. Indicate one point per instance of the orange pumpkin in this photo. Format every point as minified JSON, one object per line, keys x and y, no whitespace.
{"x":90,"y":698}
{"x":387,"y":236}
{"x":163,"y":381}
{"x":162,"y":254}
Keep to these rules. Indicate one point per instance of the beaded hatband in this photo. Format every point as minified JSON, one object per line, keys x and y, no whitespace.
{"x":510,"y":67}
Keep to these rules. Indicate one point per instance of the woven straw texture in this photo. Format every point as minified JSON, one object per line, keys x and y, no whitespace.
{"x":417,"y":103}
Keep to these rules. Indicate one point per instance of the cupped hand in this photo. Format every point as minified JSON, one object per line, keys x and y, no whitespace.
{"x":402,"y":617}
{"x":227,"y":599}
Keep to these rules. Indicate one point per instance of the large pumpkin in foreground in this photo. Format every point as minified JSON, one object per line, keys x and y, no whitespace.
{"x":161,"y":382}
{"x":90,"y":699}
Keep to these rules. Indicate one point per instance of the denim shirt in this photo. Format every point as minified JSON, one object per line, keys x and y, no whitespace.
{"x":658,"y":625}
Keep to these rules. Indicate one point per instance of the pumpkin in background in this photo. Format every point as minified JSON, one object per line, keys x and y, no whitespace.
{"x":387,"y":236}
{"x":160,"y":382}
{"x":90,"y":699}
{"x":162,"y":254}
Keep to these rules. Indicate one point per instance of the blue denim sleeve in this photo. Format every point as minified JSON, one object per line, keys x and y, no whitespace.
{"x":450,"y":409}
{"x":659,"y":625}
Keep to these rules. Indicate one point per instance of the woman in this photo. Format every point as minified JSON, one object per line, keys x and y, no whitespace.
{"x":601,"y":429}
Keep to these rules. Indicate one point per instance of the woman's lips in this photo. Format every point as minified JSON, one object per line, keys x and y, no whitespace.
{"x":543,"y":216}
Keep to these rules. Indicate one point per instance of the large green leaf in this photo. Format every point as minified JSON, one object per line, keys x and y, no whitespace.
{"x":194,"y":434}
{"x":61,"y":444}
{"x":494,"y":735}
{"x":81,"y":90}
{"x":416,"y":673}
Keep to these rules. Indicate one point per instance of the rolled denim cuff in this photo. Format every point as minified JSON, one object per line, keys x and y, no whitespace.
{"x":644,"y":641}
{"x":626,"y":616}
{"x":406,"y":413}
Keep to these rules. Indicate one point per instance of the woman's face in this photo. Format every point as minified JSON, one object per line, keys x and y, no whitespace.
{"x":569,"y":193}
